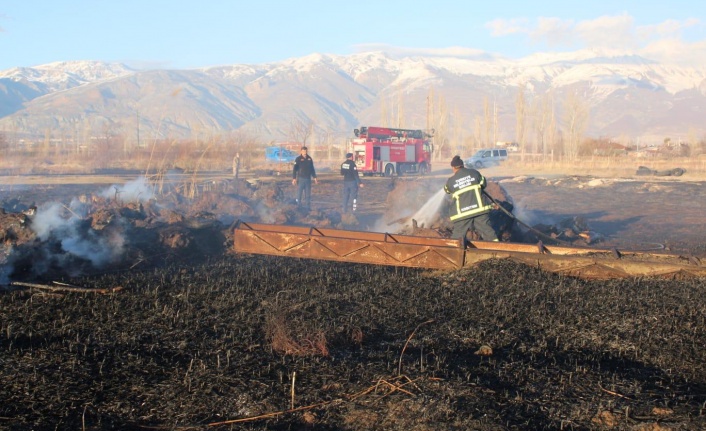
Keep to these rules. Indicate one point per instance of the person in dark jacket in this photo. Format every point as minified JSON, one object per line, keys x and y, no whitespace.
{"x":470,"y":208}
{"x":351,"y":183}
{"x":302,"y":174}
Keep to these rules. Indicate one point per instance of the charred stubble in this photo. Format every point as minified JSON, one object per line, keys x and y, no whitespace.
{"x":189,"y":346}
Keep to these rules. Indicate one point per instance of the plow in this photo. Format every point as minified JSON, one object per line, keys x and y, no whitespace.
{"x":453,"y":254}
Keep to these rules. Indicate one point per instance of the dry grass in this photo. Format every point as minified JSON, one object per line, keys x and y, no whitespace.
{"x":218,"y":157}
{"x":624,"y":167}
{"x":280,"y":333}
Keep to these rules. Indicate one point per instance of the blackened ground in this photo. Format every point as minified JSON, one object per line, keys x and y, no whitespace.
{"x":199,"y":337}
{"x":628,"y":212}
{"x":254,"y":342}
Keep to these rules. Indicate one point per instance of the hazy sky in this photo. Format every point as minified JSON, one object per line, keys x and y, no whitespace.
{"x":185,"y":34}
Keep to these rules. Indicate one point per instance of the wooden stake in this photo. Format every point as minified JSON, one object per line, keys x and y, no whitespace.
{"x":66,"y":288}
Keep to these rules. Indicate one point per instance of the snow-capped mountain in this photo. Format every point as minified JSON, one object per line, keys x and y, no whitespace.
{"x":67,"y":74}
{"x":626,"y":95}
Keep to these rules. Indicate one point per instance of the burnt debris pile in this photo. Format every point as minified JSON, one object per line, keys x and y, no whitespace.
{"x":132,"y":226}
{"x":252,"y":342}
{"x":572,"y":230}
{"x":140,"y":224}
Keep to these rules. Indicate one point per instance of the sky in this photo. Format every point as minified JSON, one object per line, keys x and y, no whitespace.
{"x":188,"y":34}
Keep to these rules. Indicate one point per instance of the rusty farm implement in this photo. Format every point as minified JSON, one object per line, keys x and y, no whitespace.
{"x":450,"y":254}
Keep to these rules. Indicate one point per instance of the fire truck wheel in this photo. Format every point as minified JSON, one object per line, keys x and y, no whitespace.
{"x":389,"y":170}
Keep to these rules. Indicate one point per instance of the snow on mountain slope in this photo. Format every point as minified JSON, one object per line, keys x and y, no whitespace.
{"x":339,"y":92}
{"x":67,"y":74}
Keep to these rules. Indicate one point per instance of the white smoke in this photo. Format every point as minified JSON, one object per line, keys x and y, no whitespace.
{"x":97,"y":249}
{"x":5,"y":268}
{"x":429,"y":212}
{"x":425,"y":215}
{"x":49,"y":219}
{"x":79,"y":208}
{"x":264,"y":214}
{"x":138,"y":190}
{"x":530,"y":217}
{"x":68,"y":238}
{"x":54,"y":221}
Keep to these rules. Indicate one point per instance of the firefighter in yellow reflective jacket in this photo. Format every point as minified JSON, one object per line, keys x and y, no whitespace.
{"x":470,"y":208}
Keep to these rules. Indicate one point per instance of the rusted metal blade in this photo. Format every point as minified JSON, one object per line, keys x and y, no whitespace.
{"x":348,"y":246}
{"x":554,"y":249}
{"x":444,"y":253}
{"x":599,"y":265}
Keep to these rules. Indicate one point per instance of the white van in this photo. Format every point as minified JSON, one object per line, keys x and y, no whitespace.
{"x":486,"y":157}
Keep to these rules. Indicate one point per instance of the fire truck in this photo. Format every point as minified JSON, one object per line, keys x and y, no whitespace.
{"x":387,"y":151}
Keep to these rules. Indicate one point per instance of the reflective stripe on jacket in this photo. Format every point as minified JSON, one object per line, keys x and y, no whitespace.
{"x":465,"y":188}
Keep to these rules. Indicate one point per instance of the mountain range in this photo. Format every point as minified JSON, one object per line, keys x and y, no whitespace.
{"x":626,"y":96}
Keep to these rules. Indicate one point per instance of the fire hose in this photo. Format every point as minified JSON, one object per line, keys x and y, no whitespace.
{"x":540,"y":234}
{"x":512,"y":216}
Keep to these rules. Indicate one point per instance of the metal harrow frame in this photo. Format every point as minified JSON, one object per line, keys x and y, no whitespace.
{"x":450,"y":254}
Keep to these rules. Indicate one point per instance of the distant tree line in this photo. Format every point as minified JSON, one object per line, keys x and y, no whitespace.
{"x":545,"y":129}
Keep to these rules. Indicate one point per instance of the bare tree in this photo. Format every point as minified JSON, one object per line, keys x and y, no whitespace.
{"x":400,"y":108}
{"x":457,"y":131}
{"x":441,"y":127}
{"x":430,"y":110}
{"x":576,"y":120}
{"x":553,"y":135}
{"x":46,"y":143}
{"x":396,"y":113}
{"x":488,"y":120}
{"x":542,"y":117}
{"x":300,"y":131}
{"x":325,"y":139}
{"x":692,"y":140}
{"x":3,"y":142}
{"x":245,"y":147}
{"x":478,"y":132}
{"x":495,"y":124}
{"x":86,"y":134}
{"x":520,"y":115}
{"x":384,"y":119}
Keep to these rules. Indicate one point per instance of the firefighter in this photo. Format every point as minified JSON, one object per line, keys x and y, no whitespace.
{"x":302,"y":174}
{"x":470,"y":208}
{"x":351,"y":183}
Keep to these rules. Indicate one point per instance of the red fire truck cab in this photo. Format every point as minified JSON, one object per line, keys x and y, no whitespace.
{"x":387,"y":151}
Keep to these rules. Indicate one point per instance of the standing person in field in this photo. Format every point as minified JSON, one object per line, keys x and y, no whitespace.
{"x":351,"y":182}
{"x":470,"y":208}
{"x":302,"y":174}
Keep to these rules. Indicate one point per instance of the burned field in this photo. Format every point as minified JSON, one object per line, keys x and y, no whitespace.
{"x":264,"y":343}
{"x":203,"y":338}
